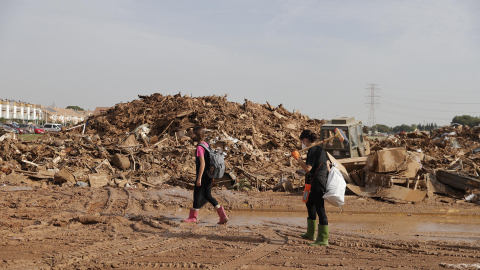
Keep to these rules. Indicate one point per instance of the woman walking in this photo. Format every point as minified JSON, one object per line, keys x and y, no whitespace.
{"x":316,"y":169}
{"x":203,"y":184}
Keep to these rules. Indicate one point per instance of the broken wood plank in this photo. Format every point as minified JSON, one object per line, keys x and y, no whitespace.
{"x":38,"y":175}
{"x":353,"y":160}
{"x":249,"y":175}
{"x":185,"y":113}
{"x":458,"y":180}
{"x":279,"y":116}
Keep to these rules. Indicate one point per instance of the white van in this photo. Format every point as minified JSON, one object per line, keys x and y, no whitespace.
{"x":52,"y":127}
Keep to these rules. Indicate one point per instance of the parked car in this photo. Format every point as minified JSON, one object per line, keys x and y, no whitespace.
{"x":8,"y":128}
{"x":52,"y":127}
{"x":15,"y":126}
{"x":28,"y":128}
{"x":37,"y":129}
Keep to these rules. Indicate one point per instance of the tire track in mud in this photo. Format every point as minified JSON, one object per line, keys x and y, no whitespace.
{"x":109,"y":250}
{"x":372,"y":244}
{"x":274,"y":242}
{"x":129,"y":201}
{"x":368,"y":247}
{"x":115,"y":202}
{"x":357,"y":240}
{"x":394,"y":248}
{"x":148,"y":255}
{"x":141,"y":251}
{"x":112,"y":196}
{"x":177,"y":243}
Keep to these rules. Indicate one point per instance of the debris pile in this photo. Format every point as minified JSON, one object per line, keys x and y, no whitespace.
{"x":447,"y":147}
{"x":410,"y":166}
{"x":144,"y":143}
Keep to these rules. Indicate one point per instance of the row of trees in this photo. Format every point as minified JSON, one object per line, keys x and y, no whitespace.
{"x":75,"y":108}
{"x":407,"y":128}
{"x":466,"y":120}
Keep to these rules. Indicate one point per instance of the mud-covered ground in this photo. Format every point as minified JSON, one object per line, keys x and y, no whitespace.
{"x":88,"y":228}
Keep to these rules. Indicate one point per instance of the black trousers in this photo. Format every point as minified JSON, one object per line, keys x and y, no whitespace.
{"x":203,"y":194}
{"x":316,"y":205}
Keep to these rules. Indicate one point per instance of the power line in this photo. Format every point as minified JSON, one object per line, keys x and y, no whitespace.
{"x":423,"y":90}
{"x":344,"y":110}
{"x":348,"y":113}
{"x":430,"y":101}
{"x":337,"y":107}
{"x":352,"y":110}
{"x":410,"y":115}
{"x":424,"y":109}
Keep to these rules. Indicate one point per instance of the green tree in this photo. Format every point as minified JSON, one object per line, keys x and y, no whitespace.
{"x":383,"y":128}
{"x":403,"y":127}
{"x":75,"y":108}
{"x":466,"y":120}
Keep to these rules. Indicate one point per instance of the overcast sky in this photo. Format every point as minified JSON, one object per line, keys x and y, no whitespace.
{"x":316,"y":56}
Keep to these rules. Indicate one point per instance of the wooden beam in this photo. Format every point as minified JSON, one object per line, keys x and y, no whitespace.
{"x":352,"y":160}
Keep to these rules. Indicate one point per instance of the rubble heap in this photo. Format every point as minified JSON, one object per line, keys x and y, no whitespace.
{"x":444,"y":148}
{"x":144,"y":143}
{"x":444,"y":161}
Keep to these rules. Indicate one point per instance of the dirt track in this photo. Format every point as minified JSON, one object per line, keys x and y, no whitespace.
{"x":88,"y":228}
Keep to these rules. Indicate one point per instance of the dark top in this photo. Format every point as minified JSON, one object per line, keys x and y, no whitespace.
{"x":317,"y":177}
{"x":207,"y":165}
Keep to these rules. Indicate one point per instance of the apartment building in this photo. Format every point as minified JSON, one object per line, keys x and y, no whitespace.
{"x":62,"y":116}
{"x":10,"y":109}
{"x":27,"y":112}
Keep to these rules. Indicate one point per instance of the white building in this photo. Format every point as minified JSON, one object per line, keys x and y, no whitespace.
{"x":24,"y":112}
{"x":63,"y":116}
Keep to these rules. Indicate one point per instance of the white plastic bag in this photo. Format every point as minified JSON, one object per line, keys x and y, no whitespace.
{"x":336,"y":185}
{"x":142,"y":131}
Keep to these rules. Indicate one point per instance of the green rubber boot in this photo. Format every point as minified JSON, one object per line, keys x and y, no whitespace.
{"x":311,"y":228}
{"x":322,"y":238}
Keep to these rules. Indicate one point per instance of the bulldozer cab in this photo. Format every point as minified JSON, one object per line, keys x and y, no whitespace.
{"x":353,"y":130}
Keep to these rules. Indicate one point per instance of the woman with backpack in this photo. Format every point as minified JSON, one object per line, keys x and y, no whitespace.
{"x":203,"y":183}
{"x":316,"y":169}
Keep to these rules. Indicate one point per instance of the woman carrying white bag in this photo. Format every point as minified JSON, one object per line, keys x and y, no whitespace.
{"x":316,"y":169}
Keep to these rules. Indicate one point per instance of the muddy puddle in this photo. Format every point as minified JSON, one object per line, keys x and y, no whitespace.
{"x":419,"y":227}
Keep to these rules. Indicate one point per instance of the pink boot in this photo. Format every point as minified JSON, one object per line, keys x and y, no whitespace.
{"x":192,"y":217}
{"x":222,"y":215}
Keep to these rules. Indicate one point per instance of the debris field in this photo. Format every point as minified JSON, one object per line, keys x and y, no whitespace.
{"x":111,"y":193}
